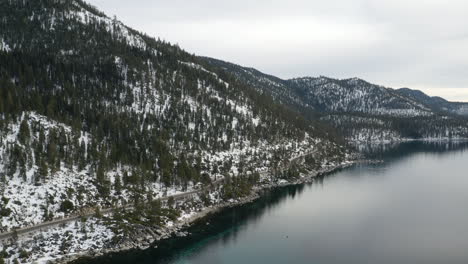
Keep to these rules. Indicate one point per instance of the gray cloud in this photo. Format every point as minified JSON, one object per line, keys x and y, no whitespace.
{"x":419,"y":44}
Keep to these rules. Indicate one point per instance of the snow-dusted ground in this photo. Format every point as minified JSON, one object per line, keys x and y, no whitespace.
{"x":87,"y":235}
{"x":29,"y":202}
{"x":67,"y":239}
{"x":96,"y":234}
{"x":32,"y":203}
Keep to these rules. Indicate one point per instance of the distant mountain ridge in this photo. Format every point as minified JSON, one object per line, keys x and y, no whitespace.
{"x":325,"y":94}
{"x":362,"y":111}
{"x":355,"y":95}
{"x":435,"y":102}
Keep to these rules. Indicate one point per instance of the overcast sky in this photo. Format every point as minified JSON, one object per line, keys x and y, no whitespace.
{"x":421,"y":44}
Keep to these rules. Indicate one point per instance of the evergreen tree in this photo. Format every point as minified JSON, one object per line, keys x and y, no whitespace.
{"x":24,"y":133}
{"x":42,"y":173}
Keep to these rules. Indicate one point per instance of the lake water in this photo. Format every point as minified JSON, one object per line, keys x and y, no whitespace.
{"x":413,"y":208}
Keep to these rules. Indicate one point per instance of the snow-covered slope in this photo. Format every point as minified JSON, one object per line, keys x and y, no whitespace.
{"x":94,"y":113}
{"x":434,"y":102}
{"x":389,"y":114}
{"x":356,"y":95}
{"x":262,"y":82}
{"x":324,"y":94}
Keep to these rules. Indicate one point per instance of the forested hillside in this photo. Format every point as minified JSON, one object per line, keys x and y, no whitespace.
{"x":361,"y":111}
{"x":96,"y":113}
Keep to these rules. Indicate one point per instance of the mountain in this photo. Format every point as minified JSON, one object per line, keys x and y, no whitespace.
{"x":95,"y":116}
{"x":360,"y":110}
{"x":324,"y":94}
{"x":278,"y":89}
{"x":119,"y":136}
{"x":434,"y":102}
{"x":355,"y":96}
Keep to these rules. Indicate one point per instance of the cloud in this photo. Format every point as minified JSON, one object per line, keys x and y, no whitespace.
{"x":391,"y":42}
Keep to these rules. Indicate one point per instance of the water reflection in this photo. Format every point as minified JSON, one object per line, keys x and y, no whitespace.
{"x":406,"y":210}
{"x":394,"y":150}
{"x":222,"y":227}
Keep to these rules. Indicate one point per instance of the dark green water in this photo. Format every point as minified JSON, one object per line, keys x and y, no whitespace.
{"x":411,"y":209}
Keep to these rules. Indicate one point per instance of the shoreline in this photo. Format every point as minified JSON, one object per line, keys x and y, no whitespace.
{"x":151,"y":236}
{"x":405,"y":140}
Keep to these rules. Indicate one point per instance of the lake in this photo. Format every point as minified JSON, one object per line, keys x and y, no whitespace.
{"x":410,"y":209}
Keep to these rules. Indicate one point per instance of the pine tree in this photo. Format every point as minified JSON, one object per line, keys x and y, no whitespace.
{"x":24,"y":133}
{"x":117,"y":184}
{"x":42,"y":173}
{"x":52,"y":153}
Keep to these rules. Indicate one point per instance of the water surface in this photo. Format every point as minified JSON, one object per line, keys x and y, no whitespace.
{"x":410,"y":209}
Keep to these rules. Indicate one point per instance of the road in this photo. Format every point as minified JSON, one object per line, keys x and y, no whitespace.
{"x":45,"y":225}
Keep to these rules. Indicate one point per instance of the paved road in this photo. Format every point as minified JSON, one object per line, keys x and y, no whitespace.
{"x":55,"y":222}
{"x":48,"y":224}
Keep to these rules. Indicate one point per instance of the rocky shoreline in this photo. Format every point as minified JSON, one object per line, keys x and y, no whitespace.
{"x":146,"y":236}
